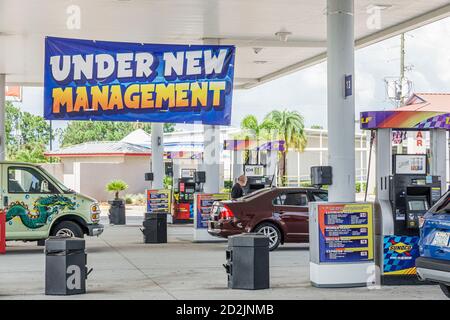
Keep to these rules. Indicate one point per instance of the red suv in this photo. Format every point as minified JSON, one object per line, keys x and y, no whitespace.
{"x":279,"y":213}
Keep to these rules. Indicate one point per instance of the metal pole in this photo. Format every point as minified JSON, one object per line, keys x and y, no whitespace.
{"x":2,"y":118}
{"x":51,"y":135}
{"x":212,"y":159}
{"x":402,"y":68}
{"x":372,"y":138}
{"x":158,"y":155}
{"x":341,"y":109}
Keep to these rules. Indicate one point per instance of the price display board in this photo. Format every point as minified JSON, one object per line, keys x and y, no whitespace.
{"x":345,"y":232}
{"x":203,"y":204}
{"x":158,"y":201}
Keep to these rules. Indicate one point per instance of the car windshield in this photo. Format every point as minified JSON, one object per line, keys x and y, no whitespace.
{"x":442,"y":206}
{"x":56,"y":181}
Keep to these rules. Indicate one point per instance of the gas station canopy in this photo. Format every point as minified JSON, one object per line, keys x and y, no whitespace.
{"x":273,"y":38}
{"x":422,"y":111}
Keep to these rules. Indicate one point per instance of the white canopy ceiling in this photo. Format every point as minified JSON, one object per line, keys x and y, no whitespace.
{"x":249,"y":24}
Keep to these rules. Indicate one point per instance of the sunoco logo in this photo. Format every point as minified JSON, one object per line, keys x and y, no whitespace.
{"x":400,"y":247}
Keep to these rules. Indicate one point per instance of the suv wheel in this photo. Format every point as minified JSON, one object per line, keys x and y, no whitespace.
{"x":445,"y":289}
{"x":67,"y":229}
{"x":272,"y":232}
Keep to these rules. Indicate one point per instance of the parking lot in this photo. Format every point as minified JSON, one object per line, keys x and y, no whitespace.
{"x":126,"y":268}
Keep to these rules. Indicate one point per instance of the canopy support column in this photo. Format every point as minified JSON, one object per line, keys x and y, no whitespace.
{"x":211,"y":155}
{"x":341,"y":102}
{"x":211,"y":159}
{"x":158,"y":155}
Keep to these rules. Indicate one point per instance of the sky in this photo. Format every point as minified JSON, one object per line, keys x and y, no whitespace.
{"x":427,"y":59}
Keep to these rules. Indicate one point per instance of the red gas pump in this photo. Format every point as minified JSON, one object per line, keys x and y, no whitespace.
{"x":2,"y":232}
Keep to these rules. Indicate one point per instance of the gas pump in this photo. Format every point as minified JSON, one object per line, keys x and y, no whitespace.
{"x":256,"y":179}
{"x":412,"y":191}
{"x":260,"y":172}
{"x":407,"y":185}
{"x":190,"y":182}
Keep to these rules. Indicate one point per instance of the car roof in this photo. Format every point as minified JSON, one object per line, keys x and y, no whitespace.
{"x":300,"y":189}
{"x":20,"y":163}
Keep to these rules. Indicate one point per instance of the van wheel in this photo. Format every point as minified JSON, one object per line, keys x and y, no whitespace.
{"x":272,"y":232}
{"x":67,"y":229}
{"x":445,"y":289}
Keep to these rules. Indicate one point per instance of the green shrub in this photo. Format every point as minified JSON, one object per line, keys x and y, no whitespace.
{"x":128,"y":199}
{"x":136,"y":199}
{"x":139,"y":199}
{"x":360,"y":187}
{"x":228,"y":184}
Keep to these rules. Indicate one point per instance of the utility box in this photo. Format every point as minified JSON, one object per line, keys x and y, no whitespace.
{"x":321,"y":176}
{"x":248,"y":261}
{"x":65,"y":266}
{"x":117,"y":212}
{"x":155,"y":227}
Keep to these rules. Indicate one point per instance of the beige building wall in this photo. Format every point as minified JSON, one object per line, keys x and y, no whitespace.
{"x":89,"y":175}
{"x":316,"y":154}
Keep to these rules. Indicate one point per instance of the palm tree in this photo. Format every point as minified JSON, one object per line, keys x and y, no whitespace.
{"x":252,"y":129}
{"x":115,"y":186}
{"x":290,"y":127}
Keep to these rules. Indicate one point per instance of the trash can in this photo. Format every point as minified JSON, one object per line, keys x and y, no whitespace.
{"x":65,"y":266}
{"x":248,"y":261}
{"x":117,"y":212}
{"x":155,"y":227}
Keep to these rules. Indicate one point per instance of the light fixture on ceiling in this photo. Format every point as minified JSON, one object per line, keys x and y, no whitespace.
{"x":260,"y":61}
{"x":283,"y":35}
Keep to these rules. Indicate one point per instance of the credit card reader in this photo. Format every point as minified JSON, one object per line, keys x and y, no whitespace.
{"x":416,"y":207}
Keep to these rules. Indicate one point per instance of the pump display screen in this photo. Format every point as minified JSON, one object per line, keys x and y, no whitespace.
{"x":410,"y":164}
{"x":417,"y":205}
{"x":189,"y":190}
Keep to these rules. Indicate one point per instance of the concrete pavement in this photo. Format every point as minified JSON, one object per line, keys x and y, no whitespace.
{"x":126,"y":268}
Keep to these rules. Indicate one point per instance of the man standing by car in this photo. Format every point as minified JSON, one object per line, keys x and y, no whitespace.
{"x":237,"y":191}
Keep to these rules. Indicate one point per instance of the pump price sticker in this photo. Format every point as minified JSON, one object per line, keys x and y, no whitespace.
{"x":441,"y":239}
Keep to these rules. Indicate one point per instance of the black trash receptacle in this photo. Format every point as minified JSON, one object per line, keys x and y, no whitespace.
{"x":65,"y":266}
{"x":248,"y":261}
{"x":117,"y":212}
{"x":155,"y":227}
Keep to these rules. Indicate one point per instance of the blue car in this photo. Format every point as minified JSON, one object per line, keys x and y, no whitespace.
{"x":434,"y":261}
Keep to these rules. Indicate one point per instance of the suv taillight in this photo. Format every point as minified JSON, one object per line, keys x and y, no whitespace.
{"x":225,"y":213}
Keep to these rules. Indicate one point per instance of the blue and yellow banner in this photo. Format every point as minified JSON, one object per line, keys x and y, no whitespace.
{"x":117,"y":81}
